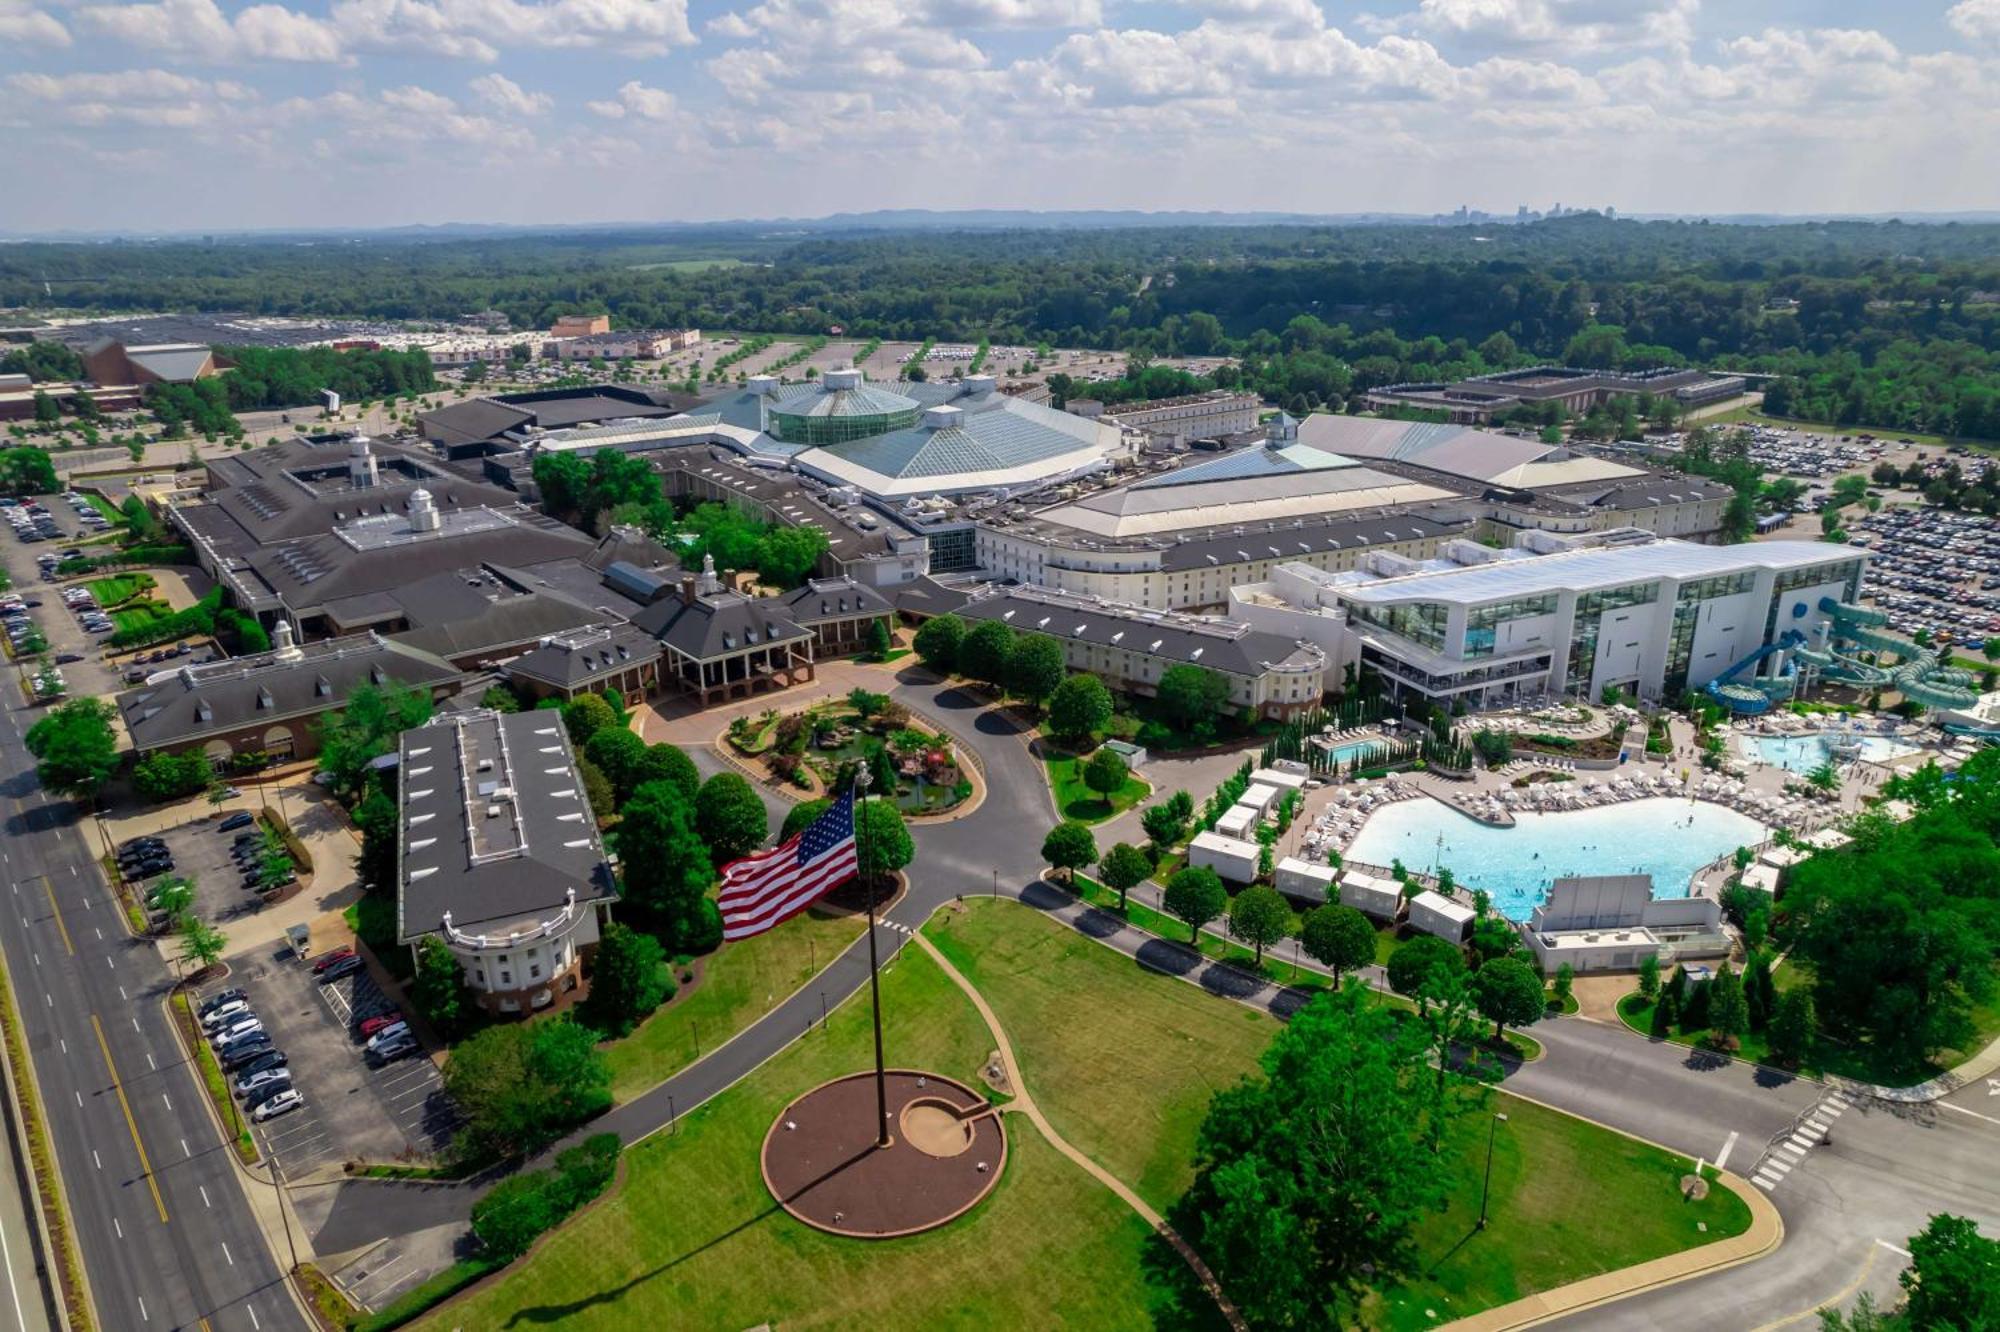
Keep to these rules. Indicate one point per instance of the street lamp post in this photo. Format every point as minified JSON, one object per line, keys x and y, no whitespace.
{"x":1486,"y":1188}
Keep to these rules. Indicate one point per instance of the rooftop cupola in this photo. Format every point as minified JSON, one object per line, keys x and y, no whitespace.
{"x":362,"y":472}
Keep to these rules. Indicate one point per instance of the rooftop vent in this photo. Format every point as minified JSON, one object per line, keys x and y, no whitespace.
{"x":762,"y":385}
{"x":846,"y":378}
{"x":942,"y":418}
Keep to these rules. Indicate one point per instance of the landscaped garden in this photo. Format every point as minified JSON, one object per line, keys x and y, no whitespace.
{"x":816,"y":749}
{"x":1089,"y":798}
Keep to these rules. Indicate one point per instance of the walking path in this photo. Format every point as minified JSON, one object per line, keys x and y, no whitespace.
{"x":1024,"y":1103}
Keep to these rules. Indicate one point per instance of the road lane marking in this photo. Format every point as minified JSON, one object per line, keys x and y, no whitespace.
{"x":142,"y":1309}
{"x":136,"y":1027}
{"x":204,"y":1196}
{"x":122,"y":994}
{"x":184,"y":1148}
{"x":226,"y":1254}
{"x":149,"y":1062}
{"x":131,"y":1124}
{"x":170,"y":1104}
{"x":1835,"y":1110}
{"x":253,"y":1315}
{"x":36,"y":956}
{"x":1892,"y":1248}
{"x":95,"y":1160}
{"x":115,"y":1226}
{"x":63,"y":1043}
{"x":1974,"y":1113}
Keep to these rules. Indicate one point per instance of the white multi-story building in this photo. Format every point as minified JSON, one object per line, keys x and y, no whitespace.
{"x":1653,"y":617}
{"x":1181,"y":421}
{"x":498,"y":855}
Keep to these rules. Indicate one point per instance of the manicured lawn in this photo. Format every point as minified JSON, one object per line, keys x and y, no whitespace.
{"x":740,"y":983}
{"x":1122,"y":1061}
{"x":1079,"y":802}
{"x":1570,"y":1200}
{"x":1172,"y":927}
{"x":692,"y":1241}
{"x":111,"y":512}
{"x":139,"y":614}
{"x":119,"y":587}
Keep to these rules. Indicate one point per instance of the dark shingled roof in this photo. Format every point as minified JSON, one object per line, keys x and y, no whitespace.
{"x":833,"y":599}
{"x":718,"y":625}
{"x":1178,"y":638}
{"x":195,"y":702}
{"x":492,"y":869}
{"x":1287,"y":541}
{"x":580,"y":656}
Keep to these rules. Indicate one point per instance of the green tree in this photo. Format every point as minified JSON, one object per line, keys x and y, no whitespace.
{"x":1565,"y":982}
{"x":1728,"y":1011}
{"x":1195,"y":896}
{"x":628,"y":980}
{"x":1953,"y":1280}
{"x":1035,"y":667}
{"x":1259,"y":917}
{"x":201,"y":943}
{"x":1078,"y":708}
{"x":985,"y":653}
{"x":1339,"y":937}
{"x":667,"y":763}
{"x":375,"y":817}
{"x":1106,"y":773}
{"x":513,"y":1214}
{"x":74,"y":748}
{"x":162,"y":776}
{"x":1421,"y":968}
{"x":1069,"y":847}
{"x":1124,"y":868}
{"x":1649,"y":977}
{"x":172,"y":898}
{"x":800,"y":817}
{"x":729,"y":817}
{"x":1191,"y":695}
{"x":1164,"y":825}
{"x":499,"y":698}
{"x":787,"y":555}
{"x":1791,"y":1027}
{"x":366,"y":729}
{"x":1509,"y":994}
{"x":937,"y":642}
{"x":438,"y":991}
{"x":521,"y":1086}
{"x":1313,"y":1178}
{"x":879,"y":643}
{"x":585,"y":715}
{"x":665,"y":866}
{"x":598,"y":791}
{"x":618,"y":754}
{"x":885,"y":839}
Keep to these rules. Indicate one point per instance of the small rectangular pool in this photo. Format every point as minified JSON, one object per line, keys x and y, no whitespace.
{"x":1355,"y":749}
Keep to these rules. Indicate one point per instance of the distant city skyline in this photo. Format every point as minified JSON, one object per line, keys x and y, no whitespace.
{"x":193,"y":115}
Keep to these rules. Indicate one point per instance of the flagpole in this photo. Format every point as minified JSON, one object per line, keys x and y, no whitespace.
{"x":861,"y":781}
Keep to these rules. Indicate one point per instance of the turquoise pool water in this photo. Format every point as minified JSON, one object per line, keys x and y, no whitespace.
{"x":1516,"y":864}
{"x":1354,"y":749}
{"x":1803,"y":753}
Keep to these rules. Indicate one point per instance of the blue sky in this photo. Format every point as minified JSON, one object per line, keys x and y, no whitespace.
{"x":166,"y":115}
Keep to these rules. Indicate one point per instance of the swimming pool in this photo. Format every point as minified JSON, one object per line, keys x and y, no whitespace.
{"x":1354,"y":749}
{"x":1803,"y":753}
{"x":1665,"y":837}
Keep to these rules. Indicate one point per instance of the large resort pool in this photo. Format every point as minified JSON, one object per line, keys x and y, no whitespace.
{"x":1666,"y":837}
{"x":1804,"y":753}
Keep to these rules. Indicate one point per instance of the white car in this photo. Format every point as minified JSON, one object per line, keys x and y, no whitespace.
{"x":283,"y":1103}
{"x":226,"y":1014}
{"x":250,"y":1083}
{"x":389,"y":1035}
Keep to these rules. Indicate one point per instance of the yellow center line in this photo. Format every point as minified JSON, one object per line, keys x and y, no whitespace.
{"x":130,"y":1123}
{"x":51,"y":890}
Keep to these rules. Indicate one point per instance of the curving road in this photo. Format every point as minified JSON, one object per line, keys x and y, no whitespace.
{"x":1876,"y":1180}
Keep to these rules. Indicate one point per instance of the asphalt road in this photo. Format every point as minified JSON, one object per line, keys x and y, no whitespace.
{"x":24,"y":1296}
{"x":1849,"y":1203}
{"x":167,"y":1238}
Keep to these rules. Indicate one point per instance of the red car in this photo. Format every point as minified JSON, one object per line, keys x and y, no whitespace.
{"x":369,"y":1026}
{"x":337,"y":955}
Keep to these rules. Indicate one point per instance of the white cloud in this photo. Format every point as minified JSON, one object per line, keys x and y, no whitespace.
{"x":502,"y":93}
{"x":199,"y":30}
{"x":23,"y":23}
{"x":1977,"y":19}
{"x":1566,"y":26}
{"x":637,"y":100}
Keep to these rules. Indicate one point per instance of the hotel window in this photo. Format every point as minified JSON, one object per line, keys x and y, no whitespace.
{"x":1482,"y":623}
{"x":1421,"y":622}
{"x":1590,"y":609}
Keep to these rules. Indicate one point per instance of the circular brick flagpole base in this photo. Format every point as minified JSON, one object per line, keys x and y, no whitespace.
{"x":945,"y":1153}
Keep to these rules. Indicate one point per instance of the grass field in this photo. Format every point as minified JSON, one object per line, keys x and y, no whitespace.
{"x":140,"y":614}
{"x":740,"y":983}
{"x":1079,"y":802}
{"x":691,"y":1241}
{"x":1123,"y":1062}
{"x":120,"y":587}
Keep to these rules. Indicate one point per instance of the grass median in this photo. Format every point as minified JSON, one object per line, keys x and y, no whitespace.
{"x":42,"y":1161}
{"x":213,"y":1079}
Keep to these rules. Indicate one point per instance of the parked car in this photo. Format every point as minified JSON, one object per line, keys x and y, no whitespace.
{"x":264,"y":1060}
{"x":284,"y":1102}
{"x":141,"y":844}
{"x":371,"y":1025}
{"x":230,"y":1033}
{"x":226,"y":1015}
{"x":392,"y":1051}
{"x":239,"y":1056}
{"x":346,"y":966}
{"x":249,"y":1084}
{"x":240,"y":819}
{"x":218,"y":999}
{"x":329,"y":959}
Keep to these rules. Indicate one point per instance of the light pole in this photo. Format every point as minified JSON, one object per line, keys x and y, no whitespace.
{"x":1486,"y":1188}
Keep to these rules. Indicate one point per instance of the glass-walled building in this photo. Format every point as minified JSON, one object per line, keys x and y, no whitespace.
{"x":1648,"y":617}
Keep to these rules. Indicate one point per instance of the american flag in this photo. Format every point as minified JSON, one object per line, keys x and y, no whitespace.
{"x":768,"y":887}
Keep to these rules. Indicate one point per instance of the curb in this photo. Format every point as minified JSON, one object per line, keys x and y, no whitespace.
{"x":53,"y":1262}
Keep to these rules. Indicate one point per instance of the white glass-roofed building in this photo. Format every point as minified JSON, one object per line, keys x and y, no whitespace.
{"x":1569,"y":616}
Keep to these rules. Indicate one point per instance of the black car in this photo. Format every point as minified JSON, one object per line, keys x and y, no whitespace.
{"x":218,"y":999}
{"x":267,"y":1060}
{"x":66,"y":658}
{"x":148,"y":869}
{"x":239,"y":1055}
{"x":138,"y":844}
{"x":346,"y":966}
{"x":240,"y":819}
{"x":156,"y":856}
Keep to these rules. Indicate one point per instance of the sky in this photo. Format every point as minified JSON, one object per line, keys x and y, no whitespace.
{"x":160,"y":116}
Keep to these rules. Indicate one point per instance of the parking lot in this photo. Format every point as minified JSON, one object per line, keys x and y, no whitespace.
{"x":351,"y":1112}
{"x":201,"y":855}
{"x":1933,"y":570}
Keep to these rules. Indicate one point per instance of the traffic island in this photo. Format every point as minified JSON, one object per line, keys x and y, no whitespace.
{"x":822,"y":1161}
